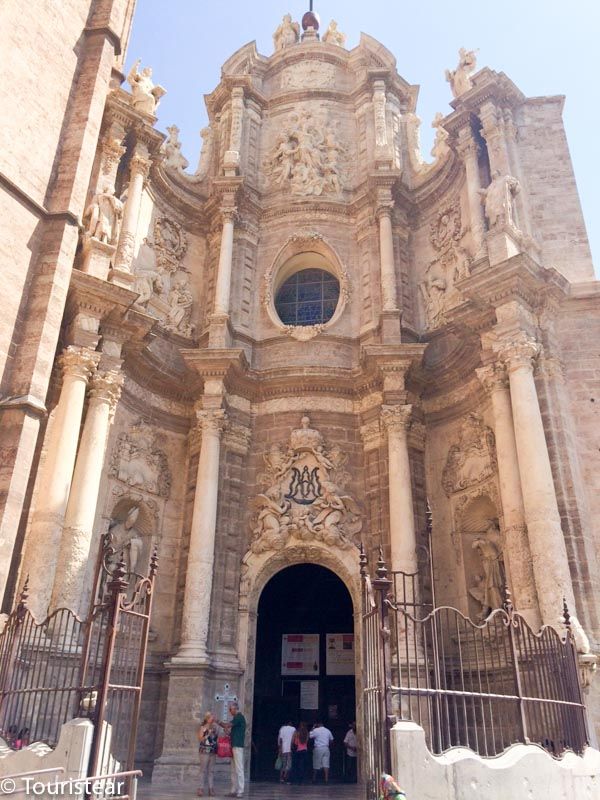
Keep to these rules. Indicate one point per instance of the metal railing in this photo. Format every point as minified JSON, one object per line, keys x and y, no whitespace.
{"x":482,"y":686}
{"x":64,"y":667}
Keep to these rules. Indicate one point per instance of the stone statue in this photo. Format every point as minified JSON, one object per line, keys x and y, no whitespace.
{"x":491,"y":587}
{"x":205,"y":153}
{"x":333,"y":36}
{"x":174,"y":158}
{"x":460,"y":78}
{"x":498,"y":198}
{"x":433,"y":290}
{"x":146,"y":284}
{"x":145,"y":95}
{"x":103,"y":217}
{"x":180,"y":306}
{"x":330,"y":510}
{"x":286,"y":34}
{"x":440,"y":146}
{"x":128,"y":543}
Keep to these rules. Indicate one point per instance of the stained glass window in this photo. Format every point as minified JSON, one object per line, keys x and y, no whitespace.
{"x":308,"y":297}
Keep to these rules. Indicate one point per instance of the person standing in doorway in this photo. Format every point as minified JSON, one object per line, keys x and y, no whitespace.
{"x":237,"y":730}
{"x":351,"y":748}
{"x":300,"y":755}
{"x":284,"y":744}
{"x":322,"y":738}
{"x":207,"y":752}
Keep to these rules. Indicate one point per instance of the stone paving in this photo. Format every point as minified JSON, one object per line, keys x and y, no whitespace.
{"x":259,"y":791}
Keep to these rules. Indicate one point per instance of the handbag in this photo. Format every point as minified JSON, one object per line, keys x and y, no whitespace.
{"x":278,"y":763}
{"x":224,"y":747}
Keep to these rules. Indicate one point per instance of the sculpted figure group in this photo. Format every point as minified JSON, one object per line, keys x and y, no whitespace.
{"x":306,"y":157}
{"x":145,"y":95}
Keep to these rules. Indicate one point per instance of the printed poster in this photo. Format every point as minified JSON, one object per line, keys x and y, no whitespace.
{"x":300,"y":654}
{"x":309,"y":695}
{"x":340,"y":653}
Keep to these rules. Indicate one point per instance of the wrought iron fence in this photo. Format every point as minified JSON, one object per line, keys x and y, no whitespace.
{"x":482,"y":686}
{"x":66,"y":667}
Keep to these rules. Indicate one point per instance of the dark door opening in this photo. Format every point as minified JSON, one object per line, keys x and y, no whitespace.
{"x":302,"y":599}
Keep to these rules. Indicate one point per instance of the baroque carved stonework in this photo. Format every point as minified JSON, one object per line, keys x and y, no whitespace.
{"x":308,"y":73}
{"x":450,"y":264}
{"x":308,"y":157}
{"x":473,"y":459}
{"x":137,"y":460}
{"x":304,"y":495}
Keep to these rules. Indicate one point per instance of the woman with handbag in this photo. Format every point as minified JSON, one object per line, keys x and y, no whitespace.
{"x":300,"y":757}
{"x":207,"y":752}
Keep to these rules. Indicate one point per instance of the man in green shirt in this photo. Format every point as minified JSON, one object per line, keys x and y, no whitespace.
{"x":237,"y":730}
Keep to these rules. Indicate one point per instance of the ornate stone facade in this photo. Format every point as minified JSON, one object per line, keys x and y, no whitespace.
{"x":451,"y":361}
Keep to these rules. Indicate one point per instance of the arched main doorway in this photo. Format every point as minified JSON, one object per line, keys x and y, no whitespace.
{"x":304,"y":658}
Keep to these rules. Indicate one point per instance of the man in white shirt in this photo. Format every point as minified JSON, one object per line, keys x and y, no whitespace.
{"x":322,"y":738}
{"x":284,"y":741}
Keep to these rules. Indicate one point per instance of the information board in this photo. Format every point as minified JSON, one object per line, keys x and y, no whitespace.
{"x":340,"y":653}
{"x":300,"y":654}
{"x":309,"y":695}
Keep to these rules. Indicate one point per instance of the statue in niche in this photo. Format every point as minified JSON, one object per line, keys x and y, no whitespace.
{"x":499,"y":200}
{"x":287,"y":33}
{"x":489,"y":583}
{"x":460,"y":78}
{"x":305,"y":496}
{"x":306,"y":158}
{"x":145,"y":95}
{"x":473,"y":459}
{"x":334,"y":36}
{"x":103,"y":217}
{"x":433,"y":290}
{"x":180,"y":306}
{"x":174,"y":158}
{"x":127,"y":541}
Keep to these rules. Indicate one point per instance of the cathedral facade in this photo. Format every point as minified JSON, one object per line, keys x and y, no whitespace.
{"x":292,"y":350}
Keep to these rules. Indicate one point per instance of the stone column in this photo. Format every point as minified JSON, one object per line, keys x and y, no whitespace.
{"x":75,"y":544}
{"x":389,"y":296}
{"x":396,"y":420}
{"x":231,"y":159}
{"x":54,"y":478}
{"x":223,"y":286}
{"x":467,"y":150}
{"x":546,"y":539}
{"x":517,"y":554}
{"x":139,"y":169}
{"x":201,"y":555}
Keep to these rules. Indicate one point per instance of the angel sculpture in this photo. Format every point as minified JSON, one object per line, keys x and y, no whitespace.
{"x":337,"y":519}
{"x":460,"y":78}
{"x":145,"y":95}
{"x":272,"y":522}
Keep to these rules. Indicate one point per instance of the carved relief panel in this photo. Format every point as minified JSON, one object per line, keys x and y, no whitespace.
{"x":303,"y":495}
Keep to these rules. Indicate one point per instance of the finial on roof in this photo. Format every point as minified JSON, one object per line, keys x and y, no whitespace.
{"x":311,"y":19}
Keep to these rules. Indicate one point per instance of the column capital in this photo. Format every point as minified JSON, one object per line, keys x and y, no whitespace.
{"x":493,"y":377}
{"x":106,"y":387}
{"x":396,"y":419}
{"x":229,"y":213}
{"x":211,"y":422}
{"x":79,"y":362}
{"x":111,"y":148}
{"x":466,"y":145}
{"x":140,"y":165}
{"x":384,"y":208}
{"x":519,"y":352}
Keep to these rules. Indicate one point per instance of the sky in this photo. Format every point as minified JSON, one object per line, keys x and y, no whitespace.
{"x":547,"y":47}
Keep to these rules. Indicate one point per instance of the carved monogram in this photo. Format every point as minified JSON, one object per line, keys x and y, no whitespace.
{"x":473,"y":459}
{"x":303,"y":496}
{"x":138,"y":461}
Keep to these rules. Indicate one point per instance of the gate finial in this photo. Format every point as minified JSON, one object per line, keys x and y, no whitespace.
{"x":381,"y":567}
{"x":507,"y":605}
{"x":154,"y":563}
{"x":363,"y":561}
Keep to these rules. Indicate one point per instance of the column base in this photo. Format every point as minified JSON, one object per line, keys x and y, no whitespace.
{"x":391,"y":326}
{"x":97,"y":257}
{"x":219,"y":335}
{"x":122,"y":278}
{"x":192,"y":691}
{"x":502,"y":244}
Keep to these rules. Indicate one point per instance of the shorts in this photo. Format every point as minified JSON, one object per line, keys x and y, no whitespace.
{"x":286,"y":762}
{"x":321,"y":758}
